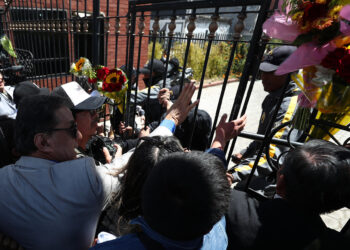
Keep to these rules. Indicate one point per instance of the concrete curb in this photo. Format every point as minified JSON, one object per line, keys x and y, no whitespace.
{"x":206,"y":85}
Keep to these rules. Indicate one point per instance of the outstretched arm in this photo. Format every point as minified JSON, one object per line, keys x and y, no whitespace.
{"x":226,"y":131}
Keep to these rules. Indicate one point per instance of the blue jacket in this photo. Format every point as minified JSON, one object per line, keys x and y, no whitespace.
{"x":216,"y":239}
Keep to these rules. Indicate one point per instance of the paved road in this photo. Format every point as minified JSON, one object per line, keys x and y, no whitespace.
{"x":209,"y":99}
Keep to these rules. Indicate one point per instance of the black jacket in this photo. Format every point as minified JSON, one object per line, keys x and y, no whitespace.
{"x":275,"y":224}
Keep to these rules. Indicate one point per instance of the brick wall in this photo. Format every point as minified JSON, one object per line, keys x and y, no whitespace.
{"x":107,"y":9}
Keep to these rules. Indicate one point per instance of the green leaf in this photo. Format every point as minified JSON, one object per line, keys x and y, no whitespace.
{"x":7,"y":45}
{"x":303,"y":38}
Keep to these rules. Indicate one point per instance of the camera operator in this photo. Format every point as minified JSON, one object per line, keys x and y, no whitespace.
{"x":7,"y":105}
{"x":85,"y":109}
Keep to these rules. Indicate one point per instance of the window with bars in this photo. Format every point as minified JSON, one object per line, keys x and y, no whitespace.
{"x":42,"y":32}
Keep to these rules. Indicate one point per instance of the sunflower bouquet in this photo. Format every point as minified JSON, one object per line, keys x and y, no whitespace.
{"x":111,"y":83}
{"x":114,"y":84}
{"x":321,"y":30}
{"x":82,"y":67}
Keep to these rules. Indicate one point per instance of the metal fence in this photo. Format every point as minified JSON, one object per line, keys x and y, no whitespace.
{"x":58,"y":32}
{"x":115,"y":33}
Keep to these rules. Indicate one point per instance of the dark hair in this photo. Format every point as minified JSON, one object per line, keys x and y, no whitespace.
{"x":145,"y":157}
{"x":317,"y":176}
{"x":201,"y":134}
{"x":35,"y":114}
{"x":185,"y":195}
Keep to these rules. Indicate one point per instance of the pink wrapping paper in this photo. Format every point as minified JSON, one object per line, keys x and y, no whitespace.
{"x":280,"y":27}
{"x":307,"y":54}
{"x":345,"y":14}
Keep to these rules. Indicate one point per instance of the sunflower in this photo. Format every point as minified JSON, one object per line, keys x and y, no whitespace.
{"x":79,"y":65}
{"x":112,"y":77}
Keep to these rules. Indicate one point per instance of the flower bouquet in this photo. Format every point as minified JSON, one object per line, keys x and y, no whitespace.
{"x":82,"y":68}
{"x":321,"y":30}
{"x":110,"y":83}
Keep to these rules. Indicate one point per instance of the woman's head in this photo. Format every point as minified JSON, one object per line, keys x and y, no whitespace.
{"x":147,"y":154}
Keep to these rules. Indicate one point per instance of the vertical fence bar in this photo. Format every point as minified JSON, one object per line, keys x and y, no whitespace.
{"x":236,"y":37}
{"x":32,"y":29}
{"x":190,"y":28}
{"x":128,"y":23}
{"x":249,"y":61}
{"x":130,"y":62}
{"x":52,"y":35}
{"x":172,"y":27}
{"x":155,"y":32}
{"x":38,"y":55}
{"x":48,"y":38}
{"x":128,"y":26}
{"x":65,"y":40}
{"x":71,"y":32}
{"x":86,"y":30}
{"x":77,"y":32}
{"x":212,"y":29}
{"x":95,"y":32}
{"x":117,"y":31}
{"x":106,"y":33}
{"x":59,"y":35}
{"x":141,"y":27}
{"x":250,"y":89}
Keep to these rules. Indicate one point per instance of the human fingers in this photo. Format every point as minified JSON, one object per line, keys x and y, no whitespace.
{"x":223,"y":119}
{"x":192,"y":105}
{"x":189,"y":92}
{"x":240,"y":122}
{"x":106,"y":154}
{"x":162,"y":91}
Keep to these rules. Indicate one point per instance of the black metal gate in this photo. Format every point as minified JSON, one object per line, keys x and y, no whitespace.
{"x":58,"y":32}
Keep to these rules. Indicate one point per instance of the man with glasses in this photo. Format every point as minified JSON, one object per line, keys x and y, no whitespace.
{"x":85,"y":111}
{"x":7,"y":105}
{"x":50,"y":199}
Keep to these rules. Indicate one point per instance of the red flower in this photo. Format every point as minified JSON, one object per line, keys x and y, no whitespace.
{"x":343,"y":70}
{"x":107,"y":87}
{"x":94,"y":80}
{"x":114,"y":81}
{"x":102,"y":73}
{"x":332,"y":60}
{"x":313,"y":10}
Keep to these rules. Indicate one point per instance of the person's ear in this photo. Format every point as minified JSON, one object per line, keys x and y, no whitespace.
{"x":281,"y":185}
{"x":42,"y":143}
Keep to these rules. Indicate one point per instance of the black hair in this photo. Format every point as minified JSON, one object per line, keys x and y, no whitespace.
{"x":35,"y":114}
{"x":185,"y":195}
{"x":317,"y":176}
{"x":201,"y":134}
{"x":145,"y":157}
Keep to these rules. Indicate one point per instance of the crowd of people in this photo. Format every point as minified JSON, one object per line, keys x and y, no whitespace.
{"x":159,"y":190}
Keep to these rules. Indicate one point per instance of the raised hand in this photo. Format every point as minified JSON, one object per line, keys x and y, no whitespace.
{"x":225,"y":131}
{"x":180,"y":109}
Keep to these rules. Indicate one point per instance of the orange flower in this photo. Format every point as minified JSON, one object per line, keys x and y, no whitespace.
{"x":322,"y":23}
{"x":79,"y":65}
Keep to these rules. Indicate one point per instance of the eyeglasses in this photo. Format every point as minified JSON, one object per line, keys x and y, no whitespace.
{"x":72,"y":130}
